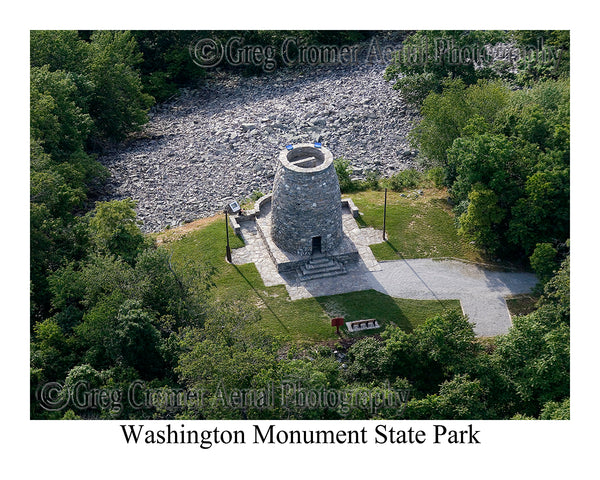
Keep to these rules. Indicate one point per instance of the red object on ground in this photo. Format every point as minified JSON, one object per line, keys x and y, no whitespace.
{"x":337,"y":322}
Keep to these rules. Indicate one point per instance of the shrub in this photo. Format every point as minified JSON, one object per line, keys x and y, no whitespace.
{"x":369,"y":360}
{"x":371,"y":181}
{"x":543,"y":261}
{"x":344,"y":170}
{"x":414,"y":88}
{"x":255,"y":195}
{"x":409,"y":178}
{"x":437,"y":176}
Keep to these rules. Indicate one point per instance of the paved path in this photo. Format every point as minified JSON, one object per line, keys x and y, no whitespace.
{"x":481,"y":292}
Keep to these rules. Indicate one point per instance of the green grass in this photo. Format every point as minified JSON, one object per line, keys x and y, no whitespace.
{"x":522,"y":304}
{"x":406,"y":314}
{"x":299,"y":320}
{"x":420,"y":227}
{"x":303,"y":319}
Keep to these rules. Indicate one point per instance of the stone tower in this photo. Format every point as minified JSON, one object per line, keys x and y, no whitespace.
{"x":306,"y":206}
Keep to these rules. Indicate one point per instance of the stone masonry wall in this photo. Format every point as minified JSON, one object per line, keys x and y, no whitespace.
{"x":306,"y":202}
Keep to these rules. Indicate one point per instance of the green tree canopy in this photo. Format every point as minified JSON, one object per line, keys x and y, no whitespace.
{"x":114,"y":229}
{"x":543,"y":261}
{"x":118,"y":104}
{"x":458,"y":399}
{"x":227,"y":352}
{"x":57,"y":121}
{"x":428,"y":57}
{"x":481,"y":222}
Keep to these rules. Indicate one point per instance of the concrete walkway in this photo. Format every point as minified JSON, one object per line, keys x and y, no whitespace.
{"x":481,"y":292}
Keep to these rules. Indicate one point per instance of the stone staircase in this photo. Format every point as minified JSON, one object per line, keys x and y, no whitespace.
{"x":320,"y":267}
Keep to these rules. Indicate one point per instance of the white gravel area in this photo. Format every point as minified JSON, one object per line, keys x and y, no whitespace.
{"x":481,"y":292}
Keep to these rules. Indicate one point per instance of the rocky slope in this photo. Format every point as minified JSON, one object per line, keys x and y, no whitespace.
{"x":220,"y":142}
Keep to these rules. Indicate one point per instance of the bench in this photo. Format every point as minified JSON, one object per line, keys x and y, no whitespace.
{"x":365,"y":324}
{"x":347,"y":202}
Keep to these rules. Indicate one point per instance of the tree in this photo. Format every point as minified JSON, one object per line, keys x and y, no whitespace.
{"x":428,"y":57}
{"x":166,"y":61}
{"x":449,"y":340}
{"x":300,"y":376}
{"x":56,"y":119}
{"x":556,"y":296}
{"x":51,"y":352}
{"x":458,"y":399}
{"x":446,"y":114}
{"x":53,"y":240}
{"x":512,"y":143}
{"x":83,"y":374}
{"x":227,"y":352}
{"x":542,"y":215}
{"x":543,"y":261}
{"x":58,"y":49}
{"x":50,"y":188}
{"x":481,"y":221}
{"x":368,"y":360}
{"x":119,"y":332}
{"x":533,"y":68}
{"x":534,"y":356}
{"x":163,"y":290}
{"x":414,"y":88}
{"x":118,"y":104}
{"x":437,"y":350}
{"x":491,"y":161}
{"x":556,"y":410}
{"x":114,"y":229}
{"x":401,"y":352}
{"x":104,"y":73}
{"x":135,"y":341}
{"x":540,"y":115}
{"x":98,"y":277}
{"x":344,"y":171}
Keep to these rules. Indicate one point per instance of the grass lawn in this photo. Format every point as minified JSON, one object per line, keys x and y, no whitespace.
{"x":417,"y":227}
{"x":522,"y":304}
{"x":300,"y":320}
{"x":406,"y":314}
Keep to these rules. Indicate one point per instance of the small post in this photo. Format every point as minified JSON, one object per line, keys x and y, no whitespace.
{"x":228,"y":250}
{"x":384,"y":212}
{"x":337,"y":322}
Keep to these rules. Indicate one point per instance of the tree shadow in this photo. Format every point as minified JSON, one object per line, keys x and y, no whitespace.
{"x":363,"y":305}
{"x":263,"y":300}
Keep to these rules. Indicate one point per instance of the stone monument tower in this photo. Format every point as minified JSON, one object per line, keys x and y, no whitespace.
{"x":306,"y":207}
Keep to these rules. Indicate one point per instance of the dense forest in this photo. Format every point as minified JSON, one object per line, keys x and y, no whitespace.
{"x":108,"y":307}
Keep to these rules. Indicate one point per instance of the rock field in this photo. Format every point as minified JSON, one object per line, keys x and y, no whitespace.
{"x":220,"y":141}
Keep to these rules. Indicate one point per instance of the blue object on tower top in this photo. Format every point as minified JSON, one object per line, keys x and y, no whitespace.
{"x":317,"y":144}
{"x":289,"y":147}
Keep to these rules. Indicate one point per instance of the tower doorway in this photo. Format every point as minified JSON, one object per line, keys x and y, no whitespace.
{"x":316,"y":245}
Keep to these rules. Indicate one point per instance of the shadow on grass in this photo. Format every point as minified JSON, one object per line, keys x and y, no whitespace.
{"x":261,"y":298}
{"x":365,"y":305}
{"x":361,"y":223}
{"x":391,"y":245}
